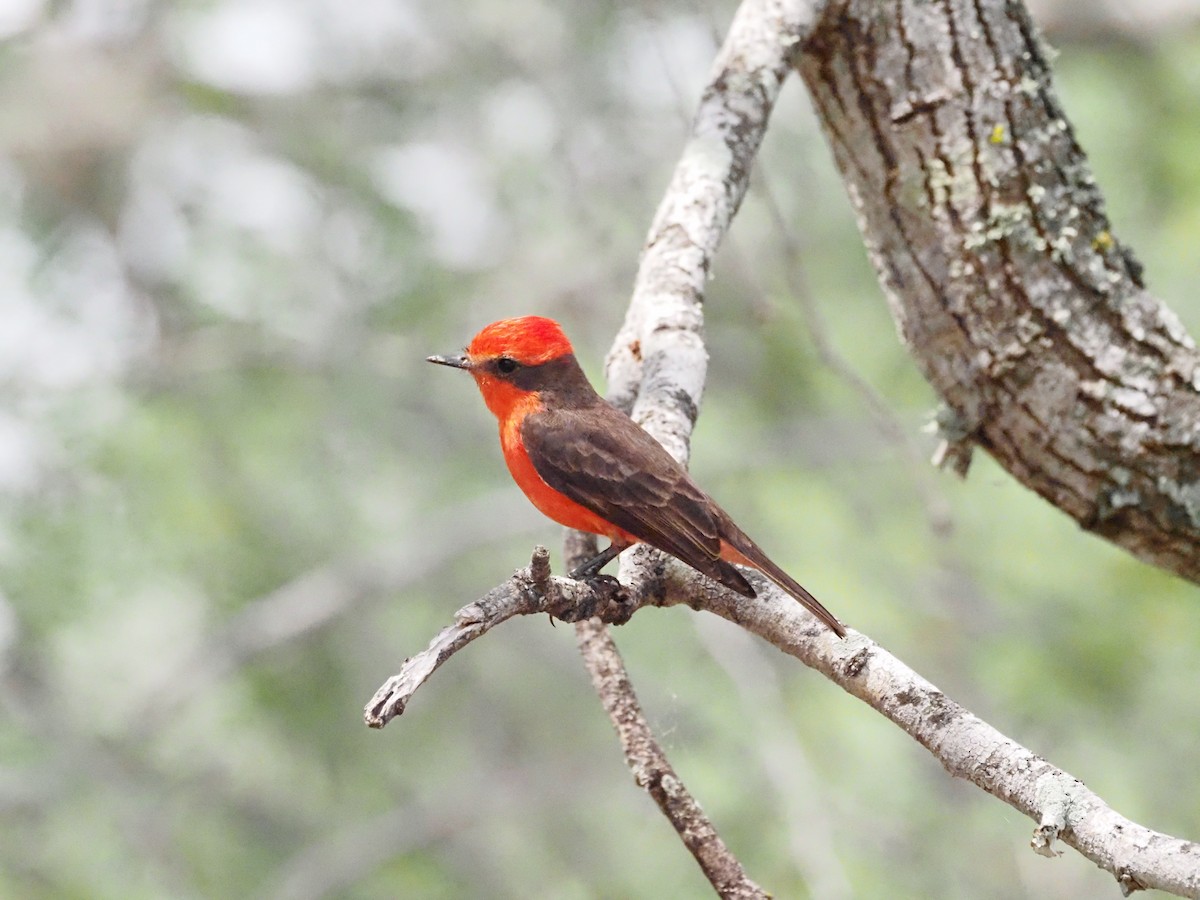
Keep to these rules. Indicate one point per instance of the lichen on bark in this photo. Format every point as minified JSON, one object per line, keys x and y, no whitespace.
{"x":1005,"y":276}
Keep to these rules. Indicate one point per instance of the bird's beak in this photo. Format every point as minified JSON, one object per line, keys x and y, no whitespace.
{"x":458,"y":362}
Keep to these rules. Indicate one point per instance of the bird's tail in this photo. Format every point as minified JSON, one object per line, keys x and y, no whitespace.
{"x":748,"y":553}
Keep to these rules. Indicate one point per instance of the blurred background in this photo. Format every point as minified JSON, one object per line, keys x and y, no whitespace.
{"x":233,"y":498}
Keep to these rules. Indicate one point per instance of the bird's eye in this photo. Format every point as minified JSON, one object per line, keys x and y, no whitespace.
{"x":506,"y":365}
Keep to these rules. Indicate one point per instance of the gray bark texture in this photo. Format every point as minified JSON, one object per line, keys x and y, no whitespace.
{"x":1006,"y":281}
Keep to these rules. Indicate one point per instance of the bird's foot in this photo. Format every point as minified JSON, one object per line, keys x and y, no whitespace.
{"x":610,"y":603}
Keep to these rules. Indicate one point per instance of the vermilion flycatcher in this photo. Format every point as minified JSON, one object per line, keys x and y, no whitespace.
{"x":588,"y":466}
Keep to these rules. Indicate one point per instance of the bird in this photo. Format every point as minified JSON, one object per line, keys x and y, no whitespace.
{"x":587,"y":465}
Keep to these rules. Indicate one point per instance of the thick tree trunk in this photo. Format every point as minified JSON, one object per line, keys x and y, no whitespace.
{"x":1025,"y":312}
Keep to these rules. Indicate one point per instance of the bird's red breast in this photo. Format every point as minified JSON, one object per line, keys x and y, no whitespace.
{"x":552,"y":503}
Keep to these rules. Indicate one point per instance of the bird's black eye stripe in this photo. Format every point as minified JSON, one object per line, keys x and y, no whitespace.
{"x":506,"y":365}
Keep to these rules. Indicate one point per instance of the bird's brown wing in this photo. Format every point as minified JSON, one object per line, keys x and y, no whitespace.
{"x":598,"y":457}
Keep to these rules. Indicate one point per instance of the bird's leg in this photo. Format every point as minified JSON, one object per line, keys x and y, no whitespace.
{"x":587,"y":570}
{"x":611,"y":600}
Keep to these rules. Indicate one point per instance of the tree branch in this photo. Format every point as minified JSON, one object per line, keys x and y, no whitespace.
{"x":657,"y":363}
{"x":644,"y":756}
{"x":1062,"y":807}
{"x":969,"y":748}
{"x":990,"y":237}
{"x":529,"y":591}
{"x":651,"y":770}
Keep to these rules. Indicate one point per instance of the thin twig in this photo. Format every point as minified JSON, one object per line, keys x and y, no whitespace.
{"x":530,"y":590}
{"x":644,"y":756}
{"x":651,"y":770}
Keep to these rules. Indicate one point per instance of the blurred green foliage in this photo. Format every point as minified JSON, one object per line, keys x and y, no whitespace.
{"x":234,"y":497}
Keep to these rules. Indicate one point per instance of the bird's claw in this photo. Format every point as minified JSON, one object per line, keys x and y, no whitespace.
{"x":611,"y":602}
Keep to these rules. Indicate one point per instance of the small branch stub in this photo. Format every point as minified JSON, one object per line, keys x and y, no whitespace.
{"x":529,"y":591}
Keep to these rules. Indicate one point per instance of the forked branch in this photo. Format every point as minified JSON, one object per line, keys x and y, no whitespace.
{"x":969,"y":185}
{"x":1062,"y":807}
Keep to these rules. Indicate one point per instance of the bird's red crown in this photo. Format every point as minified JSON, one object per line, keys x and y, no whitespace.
{"x":530,"y":340}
